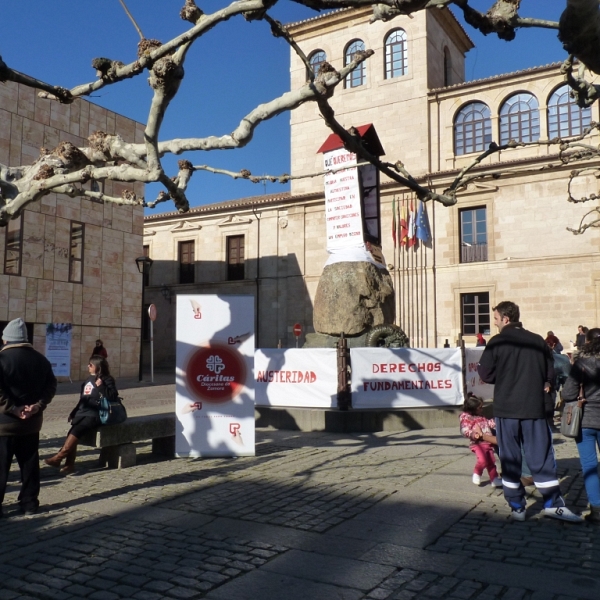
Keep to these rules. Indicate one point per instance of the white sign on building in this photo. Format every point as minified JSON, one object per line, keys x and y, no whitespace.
{"x":343,"y":214}
{"x":214,"y":397}
{"x":58,"y":347}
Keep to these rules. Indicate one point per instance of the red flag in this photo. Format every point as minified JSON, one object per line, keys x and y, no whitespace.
{"x":403,"y":227}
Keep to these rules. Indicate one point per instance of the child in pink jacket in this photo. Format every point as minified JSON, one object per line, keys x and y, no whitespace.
{"x":478,"y":429}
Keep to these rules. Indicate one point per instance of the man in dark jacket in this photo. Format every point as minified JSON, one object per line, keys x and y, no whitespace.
{"x":27,"y":385}
{"x":521,"y":366}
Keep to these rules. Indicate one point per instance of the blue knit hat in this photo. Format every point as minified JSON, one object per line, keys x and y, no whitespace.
{"x":15,"y":331}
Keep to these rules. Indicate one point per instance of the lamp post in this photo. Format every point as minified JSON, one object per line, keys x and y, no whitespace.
{"x":144,"y":263}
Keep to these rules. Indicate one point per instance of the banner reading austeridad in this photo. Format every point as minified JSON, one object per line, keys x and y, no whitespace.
{"x":406,"y":377}
{"x":474,"y":383}
{"x":58,"y":348}
{"x":214,"y":397}
{"x":296,"y":377}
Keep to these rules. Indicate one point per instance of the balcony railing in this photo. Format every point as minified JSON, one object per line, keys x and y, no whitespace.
{"x":473,"y":252}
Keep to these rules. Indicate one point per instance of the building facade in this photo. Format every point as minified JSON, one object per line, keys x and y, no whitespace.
{"x":506,"y":238}
{"x":70,"y":260}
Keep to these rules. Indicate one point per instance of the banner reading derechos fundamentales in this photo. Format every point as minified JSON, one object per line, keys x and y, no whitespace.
{"x":406,"y":377}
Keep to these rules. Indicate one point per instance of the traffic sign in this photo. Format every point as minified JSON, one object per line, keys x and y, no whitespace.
{"x":297,"y":329}
{"x":152,"y":312}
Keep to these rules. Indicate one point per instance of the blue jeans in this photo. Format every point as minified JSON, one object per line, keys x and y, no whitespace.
{"x":586,"y":446}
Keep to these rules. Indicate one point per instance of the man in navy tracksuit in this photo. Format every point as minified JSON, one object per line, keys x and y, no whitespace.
{"x":521,"y":366}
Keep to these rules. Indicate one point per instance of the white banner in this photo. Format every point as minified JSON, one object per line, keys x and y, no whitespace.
{"x":474,"y":383}
{"x":406,"y":377}
{"x":58,"y":348}
{"x":293,"y":377}
{"x":214,"y":397}
{"x":343,"y":215}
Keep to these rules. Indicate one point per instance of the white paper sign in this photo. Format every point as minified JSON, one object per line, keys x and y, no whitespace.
{"x":296,"y":377}
{"x":406,"y":377}
{"x":342,"y":201}
{"x":58,"y":347}
{"x":474,"y":383}
{"x":214,"y":388}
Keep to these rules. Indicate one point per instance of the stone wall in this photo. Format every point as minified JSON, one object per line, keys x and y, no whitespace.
{"x":107,"y":304}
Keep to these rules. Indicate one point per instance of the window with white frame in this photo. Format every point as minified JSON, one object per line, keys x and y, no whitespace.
{"x":316,"y":59}
{"x":358,"y":76}
{"x":396,"y":55}
{"x":475,"y":313}
{"x":473,"y":235}
{"x":520,"y":119}
{"x":472,"y":128}
{"x":565,"y":118}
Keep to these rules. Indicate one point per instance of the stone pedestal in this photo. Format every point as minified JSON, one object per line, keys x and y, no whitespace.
{"x":353,"y":297}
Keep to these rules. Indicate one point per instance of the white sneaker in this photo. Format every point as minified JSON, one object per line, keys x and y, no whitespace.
{"x":496,"y":483}
{"x":563,"y":513}
{"x":476,"y":479}
{"x":517,"y":515}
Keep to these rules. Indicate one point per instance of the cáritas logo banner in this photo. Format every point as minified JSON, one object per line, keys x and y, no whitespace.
{"x":216,"y":373}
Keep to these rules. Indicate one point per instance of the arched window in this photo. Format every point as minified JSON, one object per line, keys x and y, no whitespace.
{"x":520,"y":119}
{"x":316,"y":59}
{"x":472,"y":128}
{"x":359,"y":75}
{"x":396,"y":55}
{"x":447,"y":67}
{"x":565,"y":118}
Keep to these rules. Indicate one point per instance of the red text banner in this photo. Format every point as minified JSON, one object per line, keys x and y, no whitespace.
{"x":296,"y":377}
{"x":343,"y":215}
{"x":406,"y":377}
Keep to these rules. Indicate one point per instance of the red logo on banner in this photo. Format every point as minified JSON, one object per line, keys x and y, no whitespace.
{"x":216,"y":373}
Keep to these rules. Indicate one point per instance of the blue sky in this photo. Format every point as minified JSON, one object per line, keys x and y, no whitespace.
{"x":228,"y":72}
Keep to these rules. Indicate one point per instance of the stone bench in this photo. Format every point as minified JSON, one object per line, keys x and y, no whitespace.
{"x":116,"y":441}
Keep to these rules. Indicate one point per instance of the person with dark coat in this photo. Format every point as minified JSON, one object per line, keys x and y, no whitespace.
{"x":521,"y":366}
{"x":27,"y":386}
{"x":580,"y":337}
{"x":586,"y":372}
{"x":99,"y":350}
{"x":554,"y":343}
{"x":85,"y":416}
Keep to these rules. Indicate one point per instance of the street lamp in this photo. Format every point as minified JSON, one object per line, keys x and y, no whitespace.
{"x":144,"y":263}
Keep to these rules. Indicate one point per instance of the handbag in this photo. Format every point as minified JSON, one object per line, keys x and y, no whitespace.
{"x":111,"y":413}
{"x":570,"y":423}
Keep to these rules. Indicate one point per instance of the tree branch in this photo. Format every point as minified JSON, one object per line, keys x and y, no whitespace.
{"x":137,"y":27}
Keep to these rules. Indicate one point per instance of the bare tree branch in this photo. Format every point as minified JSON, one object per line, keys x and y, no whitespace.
{"x":108,"y":157}
{"x":137,"y":27}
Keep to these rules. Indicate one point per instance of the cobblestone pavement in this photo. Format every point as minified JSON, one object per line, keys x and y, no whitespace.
{"x":312,"y":516}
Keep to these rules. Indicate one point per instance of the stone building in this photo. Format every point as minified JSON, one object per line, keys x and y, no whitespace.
{"x":506,"y":238}
{"x":70,"y":260}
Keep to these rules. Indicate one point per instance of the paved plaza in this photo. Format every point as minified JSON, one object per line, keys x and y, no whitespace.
{"x":314,"y":516}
